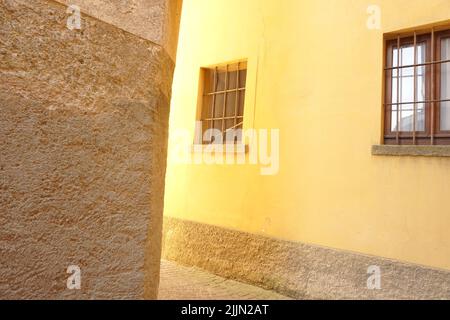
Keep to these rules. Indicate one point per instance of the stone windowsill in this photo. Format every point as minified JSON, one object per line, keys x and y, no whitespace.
{"x":412,"y":151}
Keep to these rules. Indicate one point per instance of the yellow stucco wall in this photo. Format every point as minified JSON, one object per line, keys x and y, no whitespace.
{"x":315,"y":72}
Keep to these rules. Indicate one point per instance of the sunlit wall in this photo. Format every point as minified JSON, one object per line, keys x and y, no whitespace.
{"x":315,"y":73}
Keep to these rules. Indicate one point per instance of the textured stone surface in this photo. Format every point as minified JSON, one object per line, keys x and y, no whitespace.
{"x":294,"y":269}
{"x":83,"y":130}
{"x":154,"y":20}
{"x":190,"y":283}
{"x":414,"y":151}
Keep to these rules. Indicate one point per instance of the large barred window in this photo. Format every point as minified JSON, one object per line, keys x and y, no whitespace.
{"x":223,"y":99}
{"x":417,"y":100}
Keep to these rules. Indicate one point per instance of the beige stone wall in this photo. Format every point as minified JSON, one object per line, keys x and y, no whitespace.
{"x":154,"y":20}
{"x":295,"y":269}
{"x":83,"y":130}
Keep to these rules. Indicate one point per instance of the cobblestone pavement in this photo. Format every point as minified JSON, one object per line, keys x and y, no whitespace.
{"x":185,"y":283}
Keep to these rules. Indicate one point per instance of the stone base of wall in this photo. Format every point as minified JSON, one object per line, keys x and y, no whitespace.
{"x":298,"y":270}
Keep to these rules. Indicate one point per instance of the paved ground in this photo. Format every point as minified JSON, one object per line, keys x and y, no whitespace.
{"x":184,"y":283}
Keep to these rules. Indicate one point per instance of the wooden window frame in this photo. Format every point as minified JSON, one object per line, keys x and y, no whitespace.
{"x":432,"y":135}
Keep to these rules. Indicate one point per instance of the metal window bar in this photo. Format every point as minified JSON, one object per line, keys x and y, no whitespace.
{"x":223,"y":118}
{"x":406,"y":77}
{"x":418,"y":102}
{"x":415,"y":88}
{"x":224,"y":104}
{"x":234,"y":127}
{"x":424,"y":64}
{"x":432,"y":87}
{"x":236,"y":101}
{"x":397,"y":134}
{"x":213,"y":107}
{"x":224,"y":91}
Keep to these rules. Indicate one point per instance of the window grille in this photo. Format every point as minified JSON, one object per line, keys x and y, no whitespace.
{"x":223,"y":100}
{"x":417,"y":99}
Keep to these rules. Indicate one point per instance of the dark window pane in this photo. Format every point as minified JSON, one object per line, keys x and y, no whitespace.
{"x":241,"y":103}
{"x":207,"y":107}
{"x":205,"y":126}
{"x":232,"y":80}
{"x":231,"y":104}
{"x":218,"y":124}
{"x":209,"y":81}
{"x":218,"y":111}
{"x":242,"y":78}
{"x":220,"y":81}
